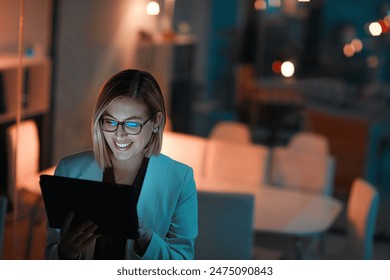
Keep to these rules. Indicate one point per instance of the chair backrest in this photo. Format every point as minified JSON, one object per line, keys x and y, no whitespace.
{"x":231,"y":131}
{"x":3,"y":209}
{"x":302,"y":170}
{"x":188,"y":149}
{"x":362,"y":210}
{"x":25,"y":143}
{"x":245,"y":163}
{"x":225,"y":226}
{"x":310,"y":142}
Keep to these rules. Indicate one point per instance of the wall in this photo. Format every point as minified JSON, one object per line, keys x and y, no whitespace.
{"x":197,"y":14}
{"x":97,"y":38}
{"x":218,"y":25}
{"x":37,"y":27}
{"x":94,"y":40}
{"x":37,"y":30}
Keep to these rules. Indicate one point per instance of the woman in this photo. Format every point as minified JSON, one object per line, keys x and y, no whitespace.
{"x":127,"y":127}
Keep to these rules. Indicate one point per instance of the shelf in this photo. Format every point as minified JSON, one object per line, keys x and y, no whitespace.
{"x":26,"y":113}
{"x":176,"y":41}
{"x":11,"y":61}
{"x":36,"y":86}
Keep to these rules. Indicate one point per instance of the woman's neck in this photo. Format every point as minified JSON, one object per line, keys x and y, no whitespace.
{"x":125,"y":171}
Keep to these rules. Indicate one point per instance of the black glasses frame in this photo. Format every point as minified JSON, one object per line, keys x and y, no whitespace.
{"x":122,"y":124}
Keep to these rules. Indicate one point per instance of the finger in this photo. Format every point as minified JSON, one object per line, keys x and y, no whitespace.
{"x":141,"y":226}
{"x":91,"y":229}
{"x":67,"y":221}
{"x":88,"y":241}
{"x":82,"y":227}
{"x":85,"y":239}
{"x":81,"y":238}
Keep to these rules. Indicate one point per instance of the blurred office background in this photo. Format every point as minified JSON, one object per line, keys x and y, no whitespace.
{"x":325,"y":63}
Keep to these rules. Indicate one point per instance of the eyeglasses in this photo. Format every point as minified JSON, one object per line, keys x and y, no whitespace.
{"x":130,"y":127}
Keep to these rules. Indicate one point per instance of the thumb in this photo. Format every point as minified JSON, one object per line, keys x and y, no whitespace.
{"x":145,"y":233}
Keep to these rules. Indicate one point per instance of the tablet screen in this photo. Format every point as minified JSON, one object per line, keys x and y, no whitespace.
{"x":112,"y":207}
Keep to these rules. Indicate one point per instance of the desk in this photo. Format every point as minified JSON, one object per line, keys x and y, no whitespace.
{"x":283,"y":211}
{"x":294,"y":212}
{"x":277,"y":96}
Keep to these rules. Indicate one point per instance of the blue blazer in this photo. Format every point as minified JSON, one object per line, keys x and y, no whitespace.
{"x":167,"y":204}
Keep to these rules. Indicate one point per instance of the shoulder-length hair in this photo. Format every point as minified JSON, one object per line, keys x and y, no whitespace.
{"x":140,"y":86}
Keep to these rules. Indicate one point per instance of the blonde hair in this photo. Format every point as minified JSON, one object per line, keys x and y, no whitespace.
{"x":140,"y":86}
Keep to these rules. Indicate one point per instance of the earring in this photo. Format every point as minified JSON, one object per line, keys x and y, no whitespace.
{"x":155,"y":130}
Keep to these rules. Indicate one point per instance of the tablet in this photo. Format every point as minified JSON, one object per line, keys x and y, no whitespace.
{"x":112,"y":207}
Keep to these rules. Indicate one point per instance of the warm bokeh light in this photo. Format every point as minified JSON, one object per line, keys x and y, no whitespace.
{"x":357,"y":45}
{"x":287,"y":69}
{"x":384,"y":26}
{"x":348,"y":50}
{"x":372,"y":61}
{"x":152,"y":8}
{"x":375,"y":28}
{"x":276,"y":66}
{"x":303,"y":0}
{"x":260,"y":5}
{"x":387,"y":21}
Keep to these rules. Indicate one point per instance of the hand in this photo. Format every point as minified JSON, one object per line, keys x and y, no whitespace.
{"x":145,"y":235}
{"x":73,"y":242}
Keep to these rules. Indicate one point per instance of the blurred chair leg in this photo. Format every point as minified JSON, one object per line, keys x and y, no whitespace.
{"x":314,"y":247}
{"x":36,"y":217}
{"x":28,"y":207}
{"x":262,"y":253}
{"x":299,"y":248}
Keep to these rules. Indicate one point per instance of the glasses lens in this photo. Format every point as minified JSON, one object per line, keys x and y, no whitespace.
{"x":109,"y":125}
{"x":132,"y":127}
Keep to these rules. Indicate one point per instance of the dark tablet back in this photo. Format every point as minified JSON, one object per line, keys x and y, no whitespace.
{"x":112,"y":207}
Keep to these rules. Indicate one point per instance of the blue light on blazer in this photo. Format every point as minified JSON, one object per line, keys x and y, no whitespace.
{"x":167,"y":205}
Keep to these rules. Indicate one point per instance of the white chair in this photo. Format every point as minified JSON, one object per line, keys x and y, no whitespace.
{"x":243,"y":163}
{"x":23,"y":174}
{"x":225,"y":226}
{"x":304,"y":165}
{"x":3,"y":209}
{"x":362,"y":211}
{"x":237,"y":132}
{"x":361,"y":217}
{"x":302,"y":170}
{"x":188,"y":149}
{"x":25,"y":171}
{"x":310,"y":142}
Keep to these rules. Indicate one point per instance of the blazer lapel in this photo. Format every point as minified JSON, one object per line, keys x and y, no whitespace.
{"x":93,"y":172}
{"x":151,"y":192}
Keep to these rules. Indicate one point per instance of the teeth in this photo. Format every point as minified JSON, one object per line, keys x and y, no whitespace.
{"x":122,"y":145}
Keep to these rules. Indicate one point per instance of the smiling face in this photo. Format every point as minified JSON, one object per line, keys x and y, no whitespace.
{"x":126,"y":147}
{"x":144,"y":100}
